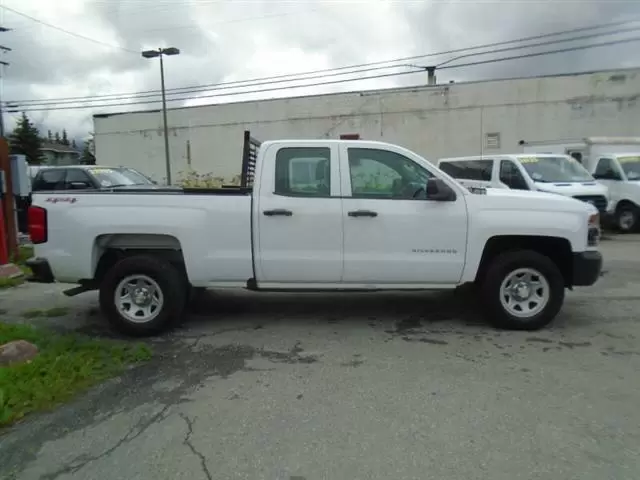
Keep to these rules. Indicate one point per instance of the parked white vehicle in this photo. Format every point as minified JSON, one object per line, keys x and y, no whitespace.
{"x":367,"y":216}
{"x":615,"y":163}
{"x":560,"y":174}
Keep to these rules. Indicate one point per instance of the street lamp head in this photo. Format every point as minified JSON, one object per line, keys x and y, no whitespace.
{"x":151,"y":53}
{"x":170,"y":51}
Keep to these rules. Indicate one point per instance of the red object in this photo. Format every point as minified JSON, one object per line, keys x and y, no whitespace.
{"x":4,"y":254}
{"x":37,"y":223}
{"x":350,"y":136}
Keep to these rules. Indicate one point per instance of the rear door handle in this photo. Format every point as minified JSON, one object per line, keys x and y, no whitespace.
{"x":363,"y":213}
{"x":278,"y":211}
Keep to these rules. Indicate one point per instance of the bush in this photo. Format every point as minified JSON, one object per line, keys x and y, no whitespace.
{"x":192,"y":179}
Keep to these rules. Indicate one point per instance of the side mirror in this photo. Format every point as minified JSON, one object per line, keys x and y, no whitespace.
{"x":79,"y":185}
{"x":438,"y":191}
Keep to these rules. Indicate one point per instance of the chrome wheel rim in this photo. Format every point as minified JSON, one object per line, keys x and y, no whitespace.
{"x":524,"y":293}
{"x":139,"y":298}
{"x":626,"y":220}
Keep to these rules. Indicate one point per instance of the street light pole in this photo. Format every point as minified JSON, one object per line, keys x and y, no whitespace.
{"x":167,"y":156}
{"x":160,"y":53}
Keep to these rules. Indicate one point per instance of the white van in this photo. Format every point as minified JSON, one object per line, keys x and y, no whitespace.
{"x":615,"y":163}
{"x":559,"y":174}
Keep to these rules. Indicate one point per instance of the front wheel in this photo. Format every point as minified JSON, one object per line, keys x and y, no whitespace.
{"x":523,"y":290}
{"x":626,"y":219}
{"x":143,"y":295}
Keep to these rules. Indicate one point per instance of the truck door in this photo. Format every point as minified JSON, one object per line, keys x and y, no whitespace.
{"x":392,"y":234}
{"x":299,"y":216}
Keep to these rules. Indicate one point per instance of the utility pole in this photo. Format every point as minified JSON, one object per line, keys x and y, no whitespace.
{"x":3,"y":64}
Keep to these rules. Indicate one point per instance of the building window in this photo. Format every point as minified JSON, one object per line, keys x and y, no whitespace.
{"x":492,"y":140}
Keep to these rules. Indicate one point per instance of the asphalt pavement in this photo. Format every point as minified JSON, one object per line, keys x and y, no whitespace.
{"x":353,"y":386}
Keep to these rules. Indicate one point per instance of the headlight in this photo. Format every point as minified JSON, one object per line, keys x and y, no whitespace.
{"x":593,"y":231}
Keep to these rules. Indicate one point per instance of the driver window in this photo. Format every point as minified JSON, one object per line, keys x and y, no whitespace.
{"x":510,"y":175}
{"x":384,"y":174}
{"x":606,"y":170}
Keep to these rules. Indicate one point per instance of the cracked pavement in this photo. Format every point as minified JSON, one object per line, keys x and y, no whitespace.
{"x":352,"y":386}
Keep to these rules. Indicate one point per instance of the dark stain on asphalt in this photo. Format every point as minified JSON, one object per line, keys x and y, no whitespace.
{"x":177,"y":362}
{"x":433,"y":341}
{"x":352,"y":363}
{"x":575,"y":344}
{"x":410,"y":323}
{"x":539,"y":340}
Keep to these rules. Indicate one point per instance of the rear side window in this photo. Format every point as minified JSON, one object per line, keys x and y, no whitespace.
{"x":468,"y":169}
{"x":50,"y":179}
{"x":303,"y":172}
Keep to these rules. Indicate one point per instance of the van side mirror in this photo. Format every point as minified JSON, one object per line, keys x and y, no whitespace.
{"x":439,"y":191}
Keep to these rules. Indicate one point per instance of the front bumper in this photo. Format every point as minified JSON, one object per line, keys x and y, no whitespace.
{"x":587,"y":267}
{"x":41,"y":270}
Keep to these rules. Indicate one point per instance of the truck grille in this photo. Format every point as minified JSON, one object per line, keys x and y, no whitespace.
{"x":598,"y":201}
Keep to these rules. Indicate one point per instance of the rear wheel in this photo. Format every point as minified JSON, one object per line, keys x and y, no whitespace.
{"x":523,"y":290}
{"x":143,"y":295}
{"x":626,"y":219}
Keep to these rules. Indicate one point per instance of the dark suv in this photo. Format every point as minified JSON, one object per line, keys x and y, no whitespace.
{"x":88,"y":177}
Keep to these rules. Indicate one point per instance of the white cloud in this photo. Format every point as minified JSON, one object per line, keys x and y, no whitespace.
{"x":240,"y":39}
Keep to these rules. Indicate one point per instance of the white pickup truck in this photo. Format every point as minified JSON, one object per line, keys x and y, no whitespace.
{"x":321,"y":215}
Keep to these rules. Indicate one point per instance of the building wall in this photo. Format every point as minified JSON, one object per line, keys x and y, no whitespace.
{"x":436,"y":122}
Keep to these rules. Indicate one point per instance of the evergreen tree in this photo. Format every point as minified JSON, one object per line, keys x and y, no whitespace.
{"x":25,"y":140}
{"x":64,"y":140}
{"x":88,"y":156}
{"x":49,"y":136}
{"x":56,"y":138}
{"x":73,"y":144}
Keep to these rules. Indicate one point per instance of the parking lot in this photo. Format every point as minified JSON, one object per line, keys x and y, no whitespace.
{"x":354,"y":386}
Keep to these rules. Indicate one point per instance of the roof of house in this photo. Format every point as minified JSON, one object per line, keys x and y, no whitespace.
{"x":56,"y":147}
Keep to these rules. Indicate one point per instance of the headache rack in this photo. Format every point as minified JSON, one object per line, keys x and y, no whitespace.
{"x":249,"y":157}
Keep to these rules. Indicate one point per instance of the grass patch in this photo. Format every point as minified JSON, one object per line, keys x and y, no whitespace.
{"x":66,"y":365}
{"x":46,"y":312}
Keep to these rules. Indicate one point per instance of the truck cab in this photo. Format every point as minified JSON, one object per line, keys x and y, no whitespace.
{"x":615,"y":163}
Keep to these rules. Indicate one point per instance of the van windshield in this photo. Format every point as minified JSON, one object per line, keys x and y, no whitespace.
{"x":555,"y":169}
{"x":631,"y":167}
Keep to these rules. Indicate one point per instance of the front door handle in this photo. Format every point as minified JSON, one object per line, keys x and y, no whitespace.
{"x":363,"y":213}
{"x":278,"y":211}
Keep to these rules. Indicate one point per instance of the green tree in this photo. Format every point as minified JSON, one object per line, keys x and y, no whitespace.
{"x":88,"y":152}
{"x":73,"y":144}
{"x":25,"y":140}
{"x":49,"y":136}
{"x":56,"y":138}
{"x":65,"y":139}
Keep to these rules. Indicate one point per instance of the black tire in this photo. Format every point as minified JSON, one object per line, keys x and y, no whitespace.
{"x":626,"y":218}
{"x":498,"y":270}
{"x":172,"y":284}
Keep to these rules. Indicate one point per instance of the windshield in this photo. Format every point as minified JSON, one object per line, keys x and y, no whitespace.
{"x":111,"y":177}
{"x":555,"y":169}
{"x":631,"y":167}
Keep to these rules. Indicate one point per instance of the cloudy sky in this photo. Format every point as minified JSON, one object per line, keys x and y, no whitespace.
{"x":233,"y":40}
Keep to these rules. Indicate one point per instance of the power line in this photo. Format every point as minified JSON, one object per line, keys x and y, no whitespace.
{"x":541,"y":44}
{"x":74,"y":34}
{"x":252,"y":81}
{"x":147,"y":102}
{"x":221,"y":86}
{"x":548,"y":52}
{"x":482,"y":62}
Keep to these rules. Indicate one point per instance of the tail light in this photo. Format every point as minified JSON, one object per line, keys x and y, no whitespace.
{"x":37,"y":222}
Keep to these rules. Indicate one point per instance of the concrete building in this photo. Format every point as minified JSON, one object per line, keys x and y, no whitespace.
{"x":434,"y":121}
